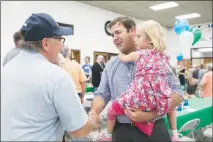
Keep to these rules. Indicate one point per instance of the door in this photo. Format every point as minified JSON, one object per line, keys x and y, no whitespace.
{"x":112,"y":55}
{"x":207,"y":60}
{"x":76,"y":54}
{"x":105,"y":55}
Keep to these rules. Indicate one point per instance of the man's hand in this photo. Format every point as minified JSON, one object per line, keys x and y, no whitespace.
{"x":96,"y":118}
{"x":121,"y":55}
{"x":134,"y":114}
{"x":139,"y":116}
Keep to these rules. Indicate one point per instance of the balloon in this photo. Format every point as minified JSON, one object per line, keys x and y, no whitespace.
{"x":197,"y":34}
{"x":186,"y":39}
{"x":179,"y":57}
{"x":181,"y":26}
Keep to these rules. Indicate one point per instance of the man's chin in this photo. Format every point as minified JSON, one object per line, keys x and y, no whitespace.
{"x":121,"y":49}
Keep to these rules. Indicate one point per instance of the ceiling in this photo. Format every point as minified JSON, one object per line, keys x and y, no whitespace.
{"x":141,"y":10}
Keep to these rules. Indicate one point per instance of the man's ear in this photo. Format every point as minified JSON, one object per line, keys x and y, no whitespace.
{"x":132,"y":32}
{"x":45,"y":44}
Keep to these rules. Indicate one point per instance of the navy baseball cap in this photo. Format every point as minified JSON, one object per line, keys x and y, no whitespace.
{"x":41,"y":25}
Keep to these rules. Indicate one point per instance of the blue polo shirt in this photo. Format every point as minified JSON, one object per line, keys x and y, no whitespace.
{"x":87,"y":68}
{"x":39,"y":100}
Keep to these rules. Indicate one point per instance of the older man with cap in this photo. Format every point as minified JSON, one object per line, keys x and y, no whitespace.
{"x":39,"y":100}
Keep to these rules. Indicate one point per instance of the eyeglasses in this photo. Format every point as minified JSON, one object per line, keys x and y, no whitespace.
{"x":62,"y":39}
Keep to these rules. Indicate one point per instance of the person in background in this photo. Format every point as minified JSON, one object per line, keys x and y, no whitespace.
{"x":195,"y":72}
{"x":74,"y":69}
{"x":116,"y":78}
{"x":97,"y":70}
{"x":103,"y":62}
{"x":10,"y":55}
{"x":192,"y":86}
{"x":60,"y":60}
{"x":87,"y":69}
{"x":43,"y":102}
{"x":201,"y":72}
{"x":181,"y":75}
{"x":205,"y":86}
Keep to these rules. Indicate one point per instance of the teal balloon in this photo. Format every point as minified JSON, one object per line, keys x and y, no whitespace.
{"x":181,"y":26}
{"x":197,"y":34}
{"x":179,"y":57}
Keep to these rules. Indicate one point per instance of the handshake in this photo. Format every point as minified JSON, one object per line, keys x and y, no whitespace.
{"x":94,"y":120}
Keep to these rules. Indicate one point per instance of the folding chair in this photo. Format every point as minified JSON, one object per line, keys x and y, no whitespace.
{"x":207,"y":134}
{"x":189,"y":126}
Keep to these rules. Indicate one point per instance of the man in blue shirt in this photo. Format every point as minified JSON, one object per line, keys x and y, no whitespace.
{"x":87,"y":68}
{"x":115,"y":80}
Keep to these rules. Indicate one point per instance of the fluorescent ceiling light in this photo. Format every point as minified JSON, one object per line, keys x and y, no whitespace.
{"x":188,"y":16}
{"x":205,"y":49}
{"x":164,"y":6}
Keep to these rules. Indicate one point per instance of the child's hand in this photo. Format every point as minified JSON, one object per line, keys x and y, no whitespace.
{"x":131,"y":57}
{"x":121,"y":55}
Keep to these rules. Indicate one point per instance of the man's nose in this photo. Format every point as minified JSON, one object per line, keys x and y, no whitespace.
{"x":115,"y":38}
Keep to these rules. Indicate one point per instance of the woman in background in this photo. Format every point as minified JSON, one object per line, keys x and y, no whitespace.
{"x":181,"y":75}
{"x":205,"y":87}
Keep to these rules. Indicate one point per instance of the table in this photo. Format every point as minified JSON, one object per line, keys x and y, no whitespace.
{"x":199,"y":108}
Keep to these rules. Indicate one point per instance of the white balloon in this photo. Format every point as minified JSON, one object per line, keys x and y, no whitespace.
{"x":186,"y":39}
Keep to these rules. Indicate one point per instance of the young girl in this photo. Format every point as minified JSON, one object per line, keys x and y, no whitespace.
{"x":149,"y":90}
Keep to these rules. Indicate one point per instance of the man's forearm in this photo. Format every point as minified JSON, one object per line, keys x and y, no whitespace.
{"x":98,"y":105}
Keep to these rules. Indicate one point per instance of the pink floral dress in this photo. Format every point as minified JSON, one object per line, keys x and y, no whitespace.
{"x":149,"y":89}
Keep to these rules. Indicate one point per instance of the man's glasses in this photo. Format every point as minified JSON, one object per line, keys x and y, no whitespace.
{"x":61,"y":39}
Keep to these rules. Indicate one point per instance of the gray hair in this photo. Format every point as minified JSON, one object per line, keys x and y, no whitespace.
{"x":60,"y":60}
{"x":66,"y":52}
{"x":99,"y":58}
{"x":209,"y":66}
{"x":30,"y":45}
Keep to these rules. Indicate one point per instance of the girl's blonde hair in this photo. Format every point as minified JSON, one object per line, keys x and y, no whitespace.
{"x":154,"y":32}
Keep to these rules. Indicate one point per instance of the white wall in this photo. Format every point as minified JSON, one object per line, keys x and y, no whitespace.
{"x":88,"y":21}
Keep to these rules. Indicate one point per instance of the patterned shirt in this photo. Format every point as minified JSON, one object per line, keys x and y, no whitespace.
{"x":118,"y":75}
{"x":149,"y":90}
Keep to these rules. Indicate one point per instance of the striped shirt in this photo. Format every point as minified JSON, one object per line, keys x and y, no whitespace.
{"x":118,"y":75}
